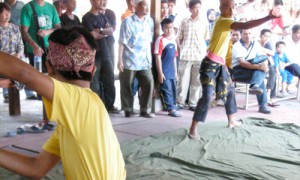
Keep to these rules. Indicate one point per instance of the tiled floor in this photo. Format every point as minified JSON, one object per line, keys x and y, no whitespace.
{"x":135,"y":127}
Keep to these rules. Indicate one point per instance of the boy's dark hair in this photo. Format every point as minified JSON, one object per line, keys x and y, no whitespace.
{"x":192,"y":3}
{"x":164,"y":1}
{"x":172,"y":1}
{"x":65,"y":36}
{"x":279,"y":43}
{"x":165,"y":21}
{"x":295,"y":28}
{"x":264,"y":31}
{"x":278,"y":2}
{"x":4,"y":6}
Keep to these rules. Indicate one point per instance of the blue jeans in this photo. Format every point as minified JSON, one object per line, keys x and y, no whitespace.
{"x":252,"y":77}
{"x":168,"y":90}
{"x":203,"y":103}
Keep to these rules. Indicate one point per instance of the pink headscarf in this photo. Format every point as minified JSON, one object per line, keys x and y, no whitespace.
{"x":76,"y":56}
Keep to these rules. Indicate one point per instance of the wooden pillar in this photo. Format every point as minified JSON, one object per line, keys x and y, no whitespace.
{"x":14,"y":101}
{"x":155,"y":14}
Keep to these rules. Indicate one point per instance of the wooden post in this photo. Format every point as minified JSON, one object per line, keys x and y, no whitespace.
{"x":155,"y":14}
{"x":14,"y":101}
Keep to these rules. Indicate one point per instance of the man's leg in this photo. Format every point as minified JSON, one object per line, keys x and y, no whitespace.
{"x":195,"y":85}
{"x":96,"y":85}
{"x":109,"y":90}
{"x":201,"y":110}
{"x":231,"y":107}
{"x":146,"y":83}
{"x":294,"y":69}
{"x":184,"y":77}
{"x":126,"y":80}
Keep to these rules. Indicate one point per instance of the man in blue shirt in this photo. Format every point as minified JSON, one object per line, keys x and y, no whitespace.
{"x":135,"y":59}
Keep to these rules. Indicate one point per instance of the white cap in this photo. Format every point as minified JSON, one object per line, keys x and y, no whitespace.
{"x":137,"y":1}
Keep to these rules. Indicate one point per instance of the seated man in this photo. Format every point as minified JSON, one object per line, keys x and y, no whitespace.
{"x":248,"y":69}
{"x":292,"y":51}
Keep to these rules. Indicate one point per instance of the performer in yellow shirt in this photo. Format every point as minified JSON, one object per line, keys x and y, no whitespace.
{"x":84,"y":139}
{"x":214,"y":75}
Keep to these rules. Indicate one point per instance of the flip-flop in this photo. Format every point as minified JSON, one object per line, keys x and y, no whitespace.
{"x":194,"y":137}
{"x":34,"y":129}
{"x":11,"y":133}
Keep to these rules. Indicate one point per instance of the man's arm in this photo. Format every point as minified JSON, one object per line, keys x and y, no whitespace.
{"x":252,"y":23}
{"x":120,"y":61}
{"x":13,"y":68}
{"x":46,"y":32}
{"x":160,"y":73}
{"x":31,"y":167}
{"x":37,"y":50}
{"x":248,"y":65}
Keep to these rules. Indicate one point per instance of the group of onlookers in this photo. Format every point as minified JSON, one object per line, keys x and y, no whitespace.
{"x":177,"y":52}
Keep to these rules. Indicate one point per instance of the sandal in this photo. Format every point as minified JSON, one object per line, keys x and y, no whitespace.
{"x":147,"y":115}
{"x":34,"y":129}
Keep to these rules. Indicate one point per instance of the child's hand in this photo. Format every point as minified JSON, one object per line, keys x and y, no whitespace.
{"x":161,"y":78}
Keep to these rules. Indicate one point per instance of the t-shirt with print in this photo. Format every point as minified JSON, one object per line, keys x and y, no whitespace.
{"x":167,"y":49}
{"x":47,"y":19}
{"x":11,"y":40}
{"x":84,"y":138}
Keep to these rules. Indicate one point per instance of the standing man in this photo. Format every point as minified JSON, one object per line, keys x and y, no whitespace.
{"x":129,"y":11}
{"x":103,"y":81}
{"x":191,"y":35}
{"x":15,"y":9}
{"x":111,"y":17}
{"x":135,"y":60}
{"x":35,"y":31}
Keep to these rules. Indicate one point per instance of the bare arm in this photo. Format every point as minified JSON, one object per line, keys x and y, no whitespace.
{"x":16,"y":69}
{"x":160,"y":73}
{"x":252,"y":23}
{"x":37,"y":50}
{"x":120,"y":61}
{"x":46,"y":32}
{"x":248,"y":65}
{"x":32,"y":167}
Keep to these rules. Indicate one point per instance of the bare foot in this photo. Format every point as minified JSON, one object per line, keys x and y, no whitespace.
{"x":194,"y":136}
{"x":234,"y":123}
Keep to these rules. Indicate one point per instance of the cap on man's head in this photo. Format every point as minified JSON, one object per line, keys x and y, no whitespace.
{"x":137,"y":1}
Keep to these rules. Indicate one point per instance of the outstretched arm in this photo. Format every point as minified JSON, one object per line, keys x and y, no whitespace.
{"x":252,"y":23}
{"x":31,"y":167}
{"x":13,"y":68}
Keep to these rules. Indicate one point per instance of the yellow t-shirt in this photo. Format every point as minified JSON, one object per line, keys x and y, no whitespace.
{"x":221,"y":36}
{"x":84,"y":138}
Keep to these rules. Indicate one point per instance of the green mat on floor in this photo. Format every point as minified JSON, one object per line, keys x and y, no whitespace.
{"x":259,"y":149}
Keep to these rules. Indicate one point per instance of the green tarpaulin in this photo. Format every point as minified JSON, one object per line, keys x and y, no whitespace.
{"x":259,"y":149}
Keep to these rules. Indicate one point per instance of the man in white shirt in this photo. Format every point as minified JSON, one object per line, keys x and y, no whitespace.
{"x":292,"y":51}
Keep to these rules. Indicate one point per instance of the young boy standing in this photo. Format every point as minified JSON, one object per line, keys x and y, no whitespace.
{"x":165,"y":54}
{"x":84,"y":139}
{"x":214,"y":75}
